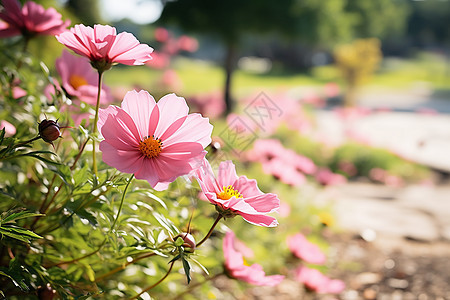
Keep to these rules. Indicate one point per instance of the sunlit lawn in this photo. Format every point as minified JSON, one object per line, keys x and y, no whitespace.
{"x":200,"y":76}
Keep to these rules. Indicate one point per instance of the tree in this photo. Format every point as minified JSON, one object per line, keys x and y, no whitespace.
{"x":310,"y":21}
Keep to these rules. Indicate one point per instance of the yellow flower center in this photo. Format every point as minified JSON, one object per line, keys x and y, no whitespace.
{"x":229,"y":192}
{"x":76,"y":81}
{"x":150,"y":147}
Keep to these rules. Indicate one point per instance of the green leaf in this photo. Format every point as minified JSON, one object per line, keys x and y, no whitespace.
{"x":2,"y":135}
{"x":187,"y":268}
{"x":200,"y":265}
{"x":12,"y":218}
{"x":19,"y":233}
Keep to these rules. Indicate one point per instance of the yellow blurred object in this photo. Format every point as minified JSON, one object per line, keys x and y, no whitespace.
{"x":357,"y":62}
{"x":326,"y":219}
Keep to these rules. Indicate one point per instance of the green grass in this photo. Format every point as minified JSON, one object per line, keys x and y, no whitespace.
{"x":201,"y":77}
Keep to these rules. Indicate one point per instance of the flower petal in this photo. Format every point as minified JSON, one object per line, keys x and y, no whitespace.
{"x":139,"y":106}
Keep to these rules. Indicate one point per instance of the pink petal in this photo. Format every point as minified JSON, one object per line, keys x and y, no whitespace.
{"x":104,"y":113}
{"x":182,"y":151}
{"x":171,"y":108}
{"x":127,"y":50}
{"x":139,"y":106}
{"x":265,"y":203}
{"x":247,"y":187}
{"x":261,"y":220}
{"x":123,"y":160}
{"x":227,"y":174}
{"x":194,"y":129}
{"x":120,"y":132}
{"x":148,"y":172}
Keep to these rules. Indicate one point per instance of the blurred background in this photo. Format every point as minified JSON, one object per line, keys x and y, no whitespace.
{"x":360,"y":88}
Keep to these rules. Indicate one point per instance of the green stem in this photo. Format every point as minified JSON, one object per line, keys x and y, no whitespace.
{"x":27,"y":142}
{"x":210,"y":230}
{"x":155,"y":284}
{"x":94,"y":131}
{"x":110,"y":230}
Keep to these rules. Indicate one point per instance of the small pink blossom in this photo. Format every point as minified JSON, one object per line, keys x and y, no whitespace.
{"x":305,"y":250}
{"x":79,"y":79}
{"x":161,"y":34}
{"x":10,"y":130}
{"x":427,"y":111}
{"x":233,"y":195}
{"x":325,"y":177}
{"x":210,"y":105}
{"x":314,"y":280}
{"x":284,"y":172}
{"x":170,"y":80}
{"x":18,"y":92}
{"x":236,"y":267}
{"x":156,"y":141}
{"x":29,"y":20}
{"x":377,"y":174}
{"x":187,"y":43}
{"x":348,"y":167}
{"x":331,"y":90}
{"x":285,"y":209}
{"x":265,"y":149}
{"x":104,"y":47}
{"x":159,"y":60}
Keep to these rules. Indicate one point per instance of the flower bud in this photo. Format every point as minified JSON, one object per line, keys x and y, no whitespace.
{"x":189,"y":241}
{"x":49,"y":130}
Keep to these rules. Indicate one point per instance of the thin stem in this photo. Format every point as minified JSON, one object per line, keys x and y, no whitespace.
{"x":155,"y":284}
{"x":120,"y":268}
{"x":121,"y":202}
{"x":210,"y":230}
{"x":110,"y":230}
{"x":94,"y":131}
{"x":27,"y":142}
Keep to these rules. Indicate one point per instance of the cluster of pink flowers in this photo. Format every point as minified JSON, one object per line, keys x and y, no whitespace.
{"x":170,"y":46}
{"x":29,"y":20}
{"x":236,"y":268}
{"x":284,"y":164}
{"x":313,"y":279}
{"x":383,"y":176}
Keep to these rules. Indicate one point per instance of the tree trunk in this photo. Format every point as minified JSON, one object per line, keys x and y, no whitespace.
{"x":229,"y":66}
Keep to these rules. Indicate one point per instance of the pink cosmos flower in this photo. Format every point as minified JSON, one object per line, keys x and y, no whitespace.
{"x":305,"y":250}
{"x":187,"y":43}
{"x":104,"y":47}
{"x":10,"y":130}
{"x":79,"y":79}
{"x":284,"y":172}
{"x":29,"y":20}
{"x":211,"y":105}
{"x":316,"y":281}
{"x":161,"y":34}
{"x":265,"y":150}
{"x":159,"y":60}
{"x":18,"y":92}
{"x":233,"y":195}
{"x":236,"y":268}
{"x":155,"y":141}
{"x":325,"y":177}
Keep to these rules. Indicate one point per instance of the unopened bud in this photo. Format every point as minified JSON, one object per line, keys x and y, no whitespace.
{"x":189,"y":241}
{"x":49,"y":130}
